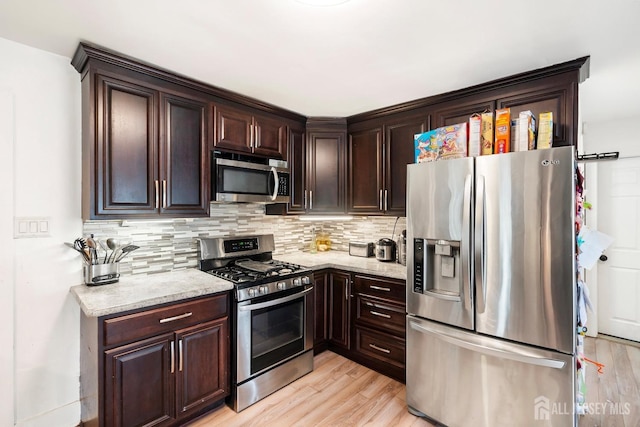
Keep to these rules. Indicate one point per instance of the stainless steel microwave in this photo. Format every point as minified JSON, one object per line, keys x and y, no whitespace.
{"x":243,"y":179}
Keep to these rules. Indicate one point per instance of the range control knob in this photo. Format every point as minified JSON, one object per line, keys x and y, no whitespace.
{"x":297,"y":282}
{"x":252,"y":292}
{"x":263,"y":289}
{"x":305,"y":280}
{"x":282,"y":286}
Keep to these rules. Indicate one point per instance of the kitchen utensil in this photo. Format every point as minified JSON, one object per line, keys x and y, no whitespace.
{"x":114,"y":245}
{"x":385,"y":250}
{"x":93,"y":249}
{"x":81,"y":246}
{"x":125,"y":251}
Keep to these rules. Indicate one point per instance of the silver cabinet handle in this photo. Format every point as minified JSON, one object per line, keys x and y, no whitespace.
{"x":375,"y":313}
{"x":386,"y":200}
{"x":379,"y":288}
{"x":310,"y":199}
{"x":157,"y":195}
{"x":173,"y":357}
{"x":375,"y":347}
{"x":305,"y":199}
{"x":164,"y":193}
{"x":171,"y":319}
{"x":346,"y":289}
{"x":380,"y":199}
{"x":250,"y":136}
{"x":256,"y":141}
{"x":180,"y":355}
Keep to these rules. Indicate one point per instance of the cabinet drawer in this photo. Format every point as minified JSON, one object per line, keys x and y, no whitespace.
{"x":373,"y":312}
{"x":380,"y":346}
{"x":381,"y":288}
{"x":156,"y":321}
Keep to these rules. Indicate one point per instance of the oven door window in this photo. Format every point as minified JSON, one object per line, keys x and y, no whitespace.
{"x":276,"y":334}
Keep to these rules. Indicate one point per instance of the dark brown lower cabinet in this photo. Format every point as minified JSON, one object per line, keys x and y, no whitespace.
{"x":156,"y":367}
{"x":365,"y":318}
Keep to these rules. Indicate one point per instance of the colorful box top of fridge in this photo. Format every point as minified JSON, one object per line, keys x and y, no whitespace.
{"x":483,"y":135}
{"x":449,"y":142}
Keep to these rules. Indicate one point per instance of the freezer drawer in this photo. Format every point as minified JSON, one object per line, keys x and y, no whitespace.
{"x":463,"y":379}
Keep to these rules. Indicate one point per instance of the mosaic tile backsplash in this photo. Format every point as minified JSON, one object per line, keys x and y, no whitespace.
{"x":170,"y":244}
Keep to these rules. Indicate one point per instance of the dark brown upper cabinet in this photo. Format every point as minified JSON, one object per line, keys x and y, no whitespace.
{"x":297,"y":168}
{"x":325,"y":172}
{"x":378,"y":155}
{"x":459,"y":111}
{"x":242,"y":131}
{"x":146,"y":136}
{"x":150,"y":151}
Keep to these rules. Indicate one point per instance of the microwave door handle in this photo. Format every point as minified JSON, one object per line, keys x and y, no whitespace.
{"x":274,"y":195}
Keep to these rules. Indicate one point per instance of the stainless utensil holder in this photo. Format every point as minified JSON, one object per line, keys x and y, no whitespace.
{"x":101,"y":274}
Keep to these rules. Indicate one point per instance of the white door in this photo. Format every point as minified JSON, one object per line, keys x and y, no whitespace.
{"x":619,"y":276}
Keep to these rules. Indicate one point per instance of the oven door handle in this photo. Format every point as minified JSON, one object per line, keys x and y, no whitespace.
{"x":251,"y":307}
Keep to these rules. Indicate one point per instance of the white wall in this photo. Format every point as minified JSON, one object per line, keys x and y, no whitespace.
{"x":44,"y":93}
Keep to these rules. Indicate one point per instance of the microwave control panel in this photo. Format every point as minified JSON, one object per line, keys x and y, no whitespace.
{"x":283,"y":184}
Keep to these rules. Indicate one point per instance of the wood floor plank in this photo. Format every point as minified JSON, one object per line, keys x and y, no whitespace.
{"x":607,"y":384}
{"x":629,"y":397}
{"x":341,"y":393}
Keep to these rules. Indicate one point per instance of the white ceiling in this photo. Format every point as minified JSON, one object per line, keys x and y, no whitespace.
{"x":354,"y":57}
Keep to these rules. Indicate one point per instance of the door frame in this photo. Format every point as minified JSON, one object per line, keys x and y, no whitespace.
{"x":7,"y":264}
{"x":598,"y":137}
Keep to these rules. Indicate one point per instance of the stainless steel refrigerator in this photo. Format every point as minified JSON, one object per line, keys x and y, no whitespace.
{"x":491,"y":289}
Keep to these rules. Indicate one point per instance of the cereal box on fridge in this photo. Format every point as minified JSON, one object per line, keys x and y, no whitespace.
{"x":448,"y":142}
{"x":475,"y":126}
{"x":502,"y":138}
{"x":486,"y":135}
{"x":545,"y":130}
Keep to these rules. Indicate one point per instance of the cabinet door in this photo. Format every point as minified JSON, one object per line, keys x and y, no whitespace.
{"x":270,"y":137}
{"x":339,"y":298}
{"x":126,"y":158}
{"x":320,"y":305}
{"x":364,"y":189}
{"x":139,"y":387}
{"x":325,"y":172}
{"x":459,"y":111}
{"x":233,"y":129}
{"x":202,"y":371}
{"x":297,"y":170}
{"x":183,"y":155}
{"x":399,"y":152}
{"x":557,"y":95}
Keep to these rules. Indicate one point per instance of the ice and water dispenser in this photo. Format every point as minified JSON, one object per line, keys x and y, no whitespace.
{"x":437,"y":267}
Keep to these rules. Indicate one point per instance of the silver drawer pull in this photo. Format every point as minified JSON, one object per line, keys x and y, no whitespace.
{"x":375,"y":313}
{"x":378,"y":288}
{"x":375,"y":347}
{"x":171,"y":319}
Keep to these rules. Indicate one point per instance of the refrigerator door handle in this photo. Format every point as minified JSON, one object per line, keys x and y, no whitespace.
{"x":465,"y":245}
{"x":489,"y":351}
{"x":480,"y":245}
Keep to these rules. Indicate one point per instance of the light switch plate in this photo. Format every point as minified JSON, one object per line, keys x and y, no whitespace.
{"x":31,"y":227}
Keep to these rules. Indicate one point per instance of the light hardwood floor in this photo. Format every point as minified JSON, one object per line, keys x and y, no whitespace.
{"x":340,"y":392}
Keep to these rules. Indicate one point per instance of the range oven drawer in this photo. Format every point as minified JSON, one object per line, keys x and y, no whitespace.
{"x":152,"y":322}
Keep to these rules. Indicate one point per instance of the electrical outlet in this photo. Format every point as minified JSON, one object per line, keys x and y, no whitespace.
{"x":31,"y":227}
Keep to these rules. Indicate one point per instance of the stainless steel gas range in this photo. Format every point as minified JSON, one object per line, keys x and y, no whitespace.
{"x":272,"y":338}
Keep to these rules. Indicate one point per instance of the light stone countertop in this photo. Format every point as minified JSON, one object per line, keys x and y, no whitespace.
{"x":140,"y":291}
{"x":344,"y":261}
